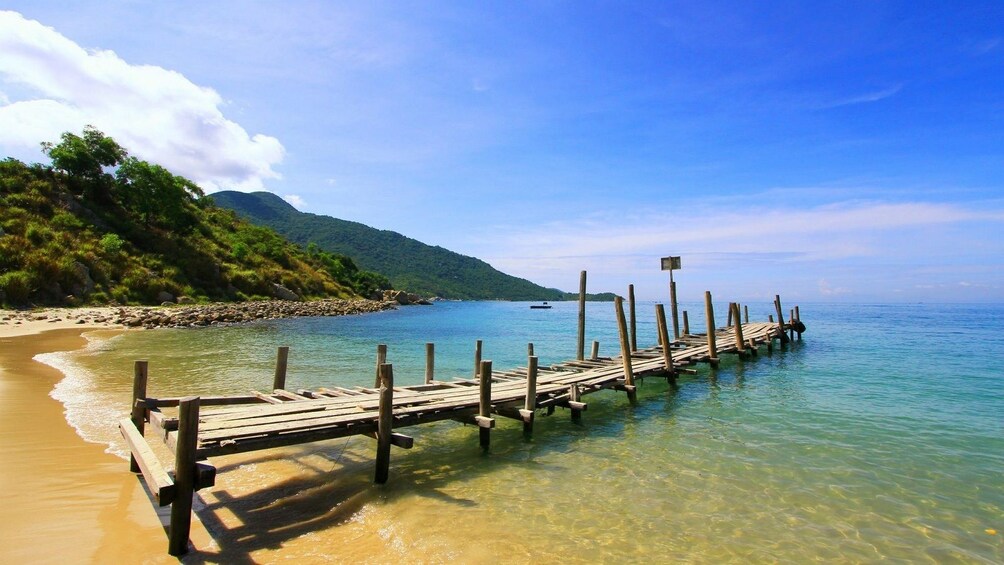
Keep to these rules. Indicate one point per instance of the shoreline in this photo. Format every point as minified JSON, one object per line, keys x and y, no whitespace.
{"x":70,"y":499}
{"x":67,"y":500}
{"x":25,"y":322}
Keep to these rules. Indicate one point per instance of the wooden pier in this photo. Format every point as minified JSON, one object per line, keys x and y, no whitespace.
{"x":196,"y":429}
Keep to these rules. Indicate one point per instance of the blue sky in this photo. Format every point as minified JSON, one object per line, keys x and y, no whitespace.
{"x":825,"y":151}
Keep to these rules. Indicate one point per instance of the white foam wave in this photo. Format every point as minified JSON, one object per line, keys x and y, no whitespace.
{"x":91,"y":411}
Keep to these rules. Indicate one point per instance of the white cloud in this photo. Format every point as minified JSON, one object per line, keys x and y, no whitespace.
{"x":295,"y":200}
{"x":156,"y":113}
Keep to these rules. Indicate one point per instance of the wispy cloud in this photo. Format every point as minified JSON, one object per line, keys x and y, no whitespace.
{"x":713,"y":238}
{"x":866,"y":98}
{"x":982,"y":47}
{"x":156,"y":113}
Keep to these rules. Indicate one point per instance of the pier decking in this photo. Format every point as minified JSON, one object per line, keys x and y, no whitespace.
{"x":199,"y":428}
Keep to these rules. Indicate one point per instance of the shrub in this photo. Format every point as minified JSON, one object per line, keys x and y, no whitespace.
{"x":16,"y":287}
{"x":111,"y":243}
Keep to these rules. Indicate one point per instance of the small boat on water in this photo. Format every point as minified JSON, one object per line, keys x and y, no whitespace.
{"x":540,"y":306}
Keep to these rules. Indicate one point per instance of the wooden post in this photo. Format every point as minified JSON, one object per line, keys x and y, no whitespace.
{"x":530,"y":402}
{"x":184,"y":476}
{"x":728,"y":321}
{"x":281,"y":360}
{"x":529,"y":349}
{"x":595,"y":353}
{"x":632,"y":319}
{"x":740,"y":343}
{"x":625,"y":347}
{"x":385,"y":423}
{"x":485,"y":402}
{"x":791,"y":325}
{"x":381,"y":360}
{"x":139,"y":380}
{"x":477,"y":359}
{"x":673,"y":308}
{"x":686,"y":324}
{"x":709,"y":313}
{"x":798,"y":319}
{"x":580,"y":351}
{"x":667,"y":354}
{"x":575,"y":396}
{"x":430,"y":362}
{"x":780,"y":318}
{"x":746,"y":313}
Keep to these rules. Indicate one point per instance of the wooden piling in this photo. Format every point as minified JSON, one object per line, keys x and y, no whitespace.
{"x":580,"y":351}
{"x":780,"y":318}
{"x":138,"y":411}
{"x":430,"y":362}
{"x":529,"y":349}
{"x":281,"y":360}
{"x":673,"y":309}
{"x":477,"y":358}
{"x":740,"y":342}
{"x":595,"y":353}
{"x":728,"y":321}
{"x":709,"y":313}
{"x":667,"y":354}
{"x":798,"y":319}
{"x":625,"y":347}
{"x":632,"y":319}
{"x":385,"y":423}
{"x":485,"y":402}
{"x":686,"y":324}
{"x":746,"y":314}
{"x":380,"y":361}
{"x":530,"y":401}
{"x":575,"y":398}
{"x":184,"y":476}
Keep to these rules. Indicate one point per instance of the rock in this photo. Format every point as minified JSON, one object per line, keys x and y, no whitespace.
{"x":83,"y":275}
{"x":186,"y":300}
{"x":164,"y":296}
{"x":167,"y":303}
{"x":283,"y":293}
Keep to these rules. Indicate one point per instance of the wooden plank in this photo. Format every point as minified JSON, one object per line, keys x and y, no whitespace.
{"x":265,"y":397}
{"x":157,"y":479}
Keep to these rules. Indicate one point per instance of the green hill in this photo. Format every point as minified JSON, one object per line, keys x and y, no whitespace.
{"x":408,"y":263}
{"x":99,"y":226}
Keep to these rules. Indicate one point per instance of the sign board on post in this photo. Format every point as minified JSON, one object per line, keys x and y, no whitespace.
{"x":670,"y":263}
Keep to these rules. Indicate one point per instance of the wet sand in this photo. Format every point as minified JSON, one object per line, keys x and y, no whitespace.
{"x":65,"y":500}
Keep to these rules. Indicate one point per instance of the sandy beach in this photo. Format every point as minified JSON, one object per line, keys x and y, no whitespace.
{"x":66,"y":500}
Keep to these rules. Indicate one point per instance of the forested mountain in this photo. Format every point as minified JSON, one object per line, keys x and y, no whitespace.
{"x":99,"y":226}
{"x":408,"y":263}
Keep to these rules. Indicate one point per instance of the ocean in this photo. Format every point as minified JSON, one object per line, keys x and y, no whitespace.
{"x":878,"y":436}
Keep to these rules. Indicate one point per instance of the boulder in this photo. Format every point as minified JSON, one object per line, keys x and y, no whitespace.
{"x":283,"y":293}
{"x":83,"y":275}
{"x":186,"y":300}
{"x":164,"y":296}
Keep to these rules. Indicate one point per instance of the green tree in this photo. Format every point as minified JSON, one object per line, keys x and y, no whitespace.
{"x":156,"y":195}
{"x":85,"y":159}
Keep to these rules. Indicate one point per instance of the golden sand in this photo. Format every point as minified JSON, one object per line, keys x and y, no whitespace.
{"x":65,"y":500}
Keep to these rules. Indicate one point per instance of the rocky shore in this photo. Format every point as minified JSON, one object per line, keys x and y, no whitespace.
{"x":193,"y":315}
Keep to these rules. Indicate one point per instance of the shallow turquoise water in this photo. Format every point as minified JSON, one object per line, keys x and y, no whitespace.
{"x":879,"y":436}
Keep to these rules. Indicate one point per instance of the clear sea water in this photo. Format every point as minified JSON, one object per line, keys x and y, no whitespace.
{"x":879,"y":436}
